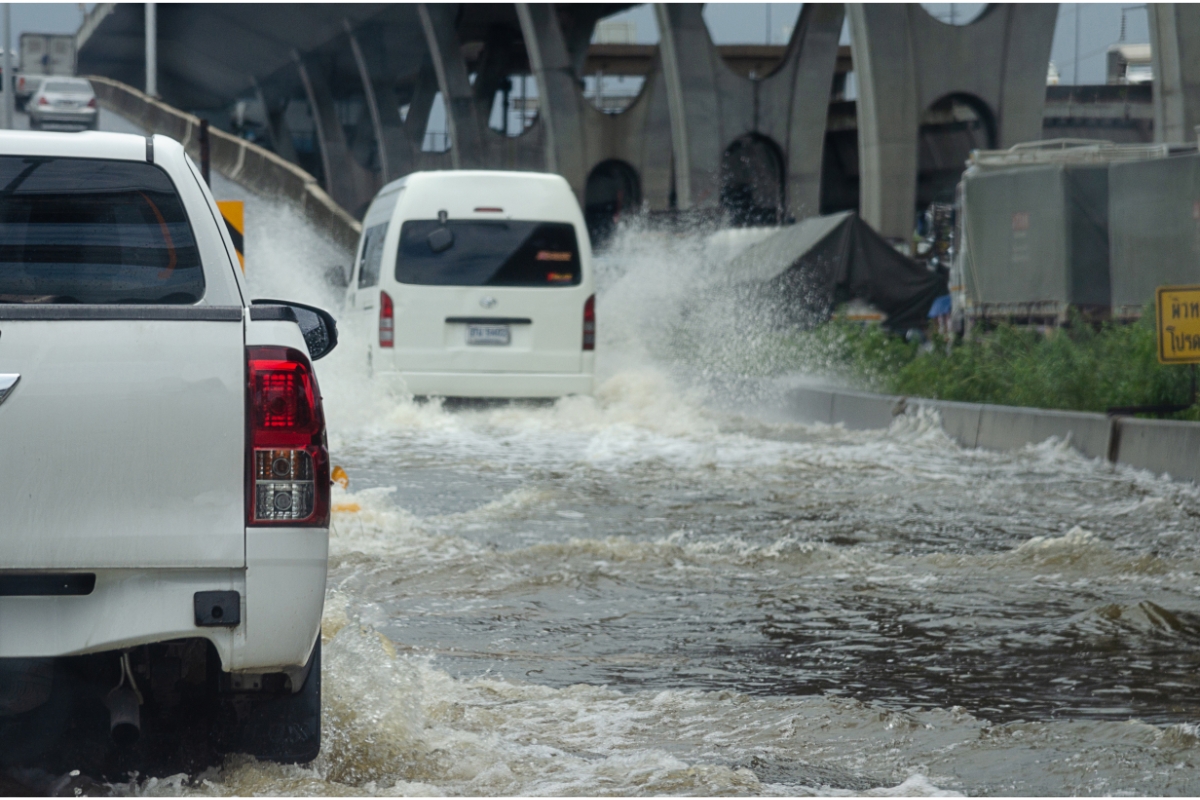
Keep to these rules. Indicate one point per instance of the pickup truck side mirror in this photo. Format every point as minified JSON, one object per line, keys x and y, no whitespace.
{"x":316,"y":324}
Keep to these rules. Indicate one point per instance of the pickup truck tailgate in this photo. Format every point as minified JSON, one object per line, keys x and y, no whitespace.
{"x":123,"y":442}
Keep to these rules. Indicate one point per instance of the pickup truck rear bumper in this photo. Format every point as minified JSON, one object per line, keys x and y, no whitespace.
{"x":282,"y":591}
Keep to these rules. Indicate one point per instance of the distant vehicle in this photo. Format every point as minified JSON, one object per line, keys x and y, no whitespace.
{"x":164,"y":473}
{"x":63,"y":101}
{"x":43,"y":55}
{"x":1129,"y":63}
{"x":478,"y":284}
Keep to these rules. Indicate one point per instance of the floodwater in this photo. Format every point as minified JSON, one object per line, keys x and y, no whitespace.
{"x":670,"y":588}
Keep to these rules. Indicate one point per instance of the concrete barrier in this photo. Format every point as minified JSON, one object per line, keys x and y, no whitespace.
{"x":809,"y":405}
{"x":959,"y":420}
{"x":243,"y":162}
{"x":861,"y":411}
{"x":1161,"y":446}
{"x":1010,"y":428}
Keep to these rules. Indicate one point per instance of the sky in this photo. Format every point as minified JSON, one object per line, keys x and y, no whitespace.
{"x":1099,"y":25}
{"x":45,"y":18}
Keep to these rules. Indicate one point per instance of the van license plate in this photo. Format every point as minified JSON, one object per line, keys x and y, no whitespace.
{"x":489,"y":334}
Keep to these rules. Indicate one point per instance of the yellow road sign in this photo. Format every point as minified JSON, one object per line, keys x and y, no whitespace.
{"x":234,"y":212}
{"x":1178,"y":324}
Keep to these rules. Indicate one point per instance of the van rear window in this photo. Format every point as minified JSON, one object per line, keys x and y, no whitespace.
{"x":488,"y":253}
{"x":77,"y":230}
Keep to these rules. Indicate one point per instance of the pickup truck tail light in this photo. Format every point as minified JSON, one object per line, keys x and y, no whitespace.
{"x":589,"y":324}
{"x":387,"y":321}
{"x":288,"y":470}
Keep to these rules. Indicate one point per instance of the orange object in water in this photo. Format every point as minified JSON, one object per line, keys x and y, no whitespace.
{"x":340,"y":477}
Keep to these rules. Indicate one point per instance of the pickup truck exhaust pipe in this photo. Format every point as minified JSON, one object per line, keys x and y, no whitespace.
{"x":124,"y":716}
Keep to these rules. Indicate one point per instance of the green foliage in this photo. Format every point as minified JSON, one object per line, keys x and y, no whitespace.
{"x":1077,"y":367}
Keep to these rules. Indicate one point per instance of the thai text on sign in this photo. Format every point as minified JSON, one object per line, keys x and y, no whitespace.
{"x":1178,"y":320}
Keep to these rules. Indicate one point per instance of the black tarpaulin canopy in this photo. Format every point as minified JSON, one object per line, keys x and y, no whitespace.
{"x":816,"y":264}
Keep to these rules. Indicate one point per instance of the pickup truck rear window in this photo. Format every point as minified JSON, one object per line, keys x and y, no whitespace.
{"x":488,"y":253}
{"x":78,"y":230}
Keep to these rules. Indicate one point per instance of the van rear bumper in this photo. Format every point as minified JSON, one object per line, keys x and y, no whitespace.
{"x":282,"y":591}
{"x":497,"y":384}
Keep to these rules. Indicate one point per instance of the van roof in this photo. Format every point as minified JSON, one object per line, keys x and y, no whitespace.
{"x":471,"y":176}
{"x":481,"y":193}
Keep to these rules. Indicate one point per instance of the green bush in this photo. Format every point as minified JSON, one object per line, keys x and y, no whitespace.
{"x":1076,"y":367}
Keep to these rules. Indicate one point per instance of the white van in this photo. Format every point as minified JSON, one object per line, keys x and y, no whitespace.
{"x":477,"y":284}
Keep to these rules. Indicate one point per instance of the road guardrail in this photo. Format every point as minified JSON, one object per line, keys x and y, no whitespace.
{"x":254,"y":167}
{"x":1161,"y":446}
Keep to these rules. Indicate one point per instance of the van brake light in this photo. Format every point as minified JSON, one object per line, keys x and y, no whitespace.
{"x":288,"y":461}
{"x":589,"y":324}
{"x":387,"y":321}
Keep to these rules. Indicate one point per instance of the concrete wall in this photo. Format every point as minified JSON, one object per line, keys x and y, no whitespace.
{"x":1163,"y":447}
{"x":247,"y":164}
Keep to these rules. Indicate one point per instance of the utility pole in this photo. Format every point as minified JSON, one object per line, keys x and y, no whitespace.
{"x":9,"y":84}
{"x":151,"y":49}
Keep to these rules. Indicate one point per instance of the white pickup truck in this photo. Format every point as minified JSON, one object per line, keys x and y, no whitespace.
{"x":164,"y":475}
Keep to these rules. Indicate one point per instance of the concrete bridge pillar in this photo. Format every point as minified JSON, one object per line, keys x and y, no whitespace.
{"x":462,"y":115}
{"x":384,"y":148}
{"x":905,"y":61}
{"x":561,"y":103}
{"x":795,"y":103}
{"x":1175,"y":54}
{"x":347,"y":181}
{"x":691,"y":65}
{"x":712,"y":108}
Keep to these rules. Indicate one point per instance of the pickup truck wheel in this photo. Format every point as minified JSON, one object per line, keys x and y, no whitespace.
{"x":286,"y":728}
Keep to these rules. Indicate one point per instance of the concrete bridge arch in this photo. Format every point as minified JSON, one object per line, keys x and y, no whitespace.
{"x":906,"y":60}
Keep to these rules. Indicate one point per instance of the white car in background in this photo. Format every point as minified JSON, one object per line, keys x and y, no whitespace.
{"x":478,"y":284}
{"x":164,"y":475}
{"x":68,"y":102}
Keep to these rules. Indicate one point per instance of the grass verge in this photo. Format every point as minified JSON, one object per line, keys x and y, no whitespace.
{"x":1078,"y":367}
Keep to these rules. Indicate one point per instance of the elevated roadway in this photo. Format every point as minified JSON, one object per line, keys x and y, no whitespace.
{"x":763,"y":133}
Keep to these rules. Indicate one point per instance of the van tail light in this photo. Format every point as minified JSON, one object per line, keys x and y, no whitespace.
{"x":91,"y":103}
{"x":288,"y":461}
{"x":42,"y":101}
{"x":589,"y":324}
{"x":387,"y":321}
